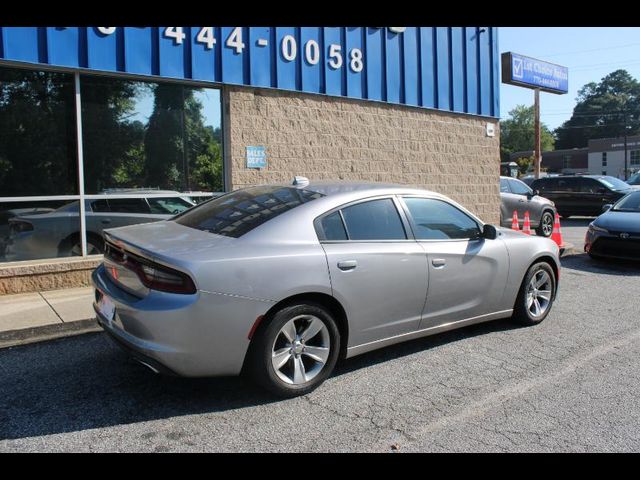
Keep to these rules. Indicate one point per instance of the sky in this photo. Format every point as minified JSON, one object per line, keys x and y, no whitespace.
{"x":590,"y":53}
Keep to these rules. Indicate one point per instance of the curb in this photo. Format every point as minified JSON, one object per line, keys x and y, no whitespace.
{"x":25,"y":336}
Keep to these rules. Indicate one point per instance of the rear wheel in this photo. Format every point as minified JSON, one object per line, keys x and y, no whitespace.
{"x":545,"y":229}
{"x":536,"y":294}
{"x":296,"y":351}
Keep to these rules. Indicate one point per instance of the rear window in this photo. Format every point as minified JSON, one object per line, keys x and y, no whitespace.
{"x":239,"y":212}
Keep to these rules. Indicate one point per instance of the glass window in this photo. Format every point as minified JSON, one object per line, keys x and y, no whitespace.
{"x":438,"y":220}
{"x":504,"y":186}
{"x":589,"y":185}
{"x":604,"y":159}
{"x":567,"y":185}
{"x":241,"y":211}
{"x":37,"y":133}
{"x":374,"y":220}
{"x":142,"y":135}
{"x":630,"y":203}
{"x":35,"y":230}
{"x":635,"y":157}
{"x":519,"y":187}
{"x":128,"y":205}
{"x":169,"y":205}
{"x":333,"y":228}
{"x":614,"y":183}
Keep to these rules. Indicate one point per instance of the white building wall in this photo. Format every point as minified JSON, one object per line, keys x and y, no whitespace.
{"x":615,"y":163}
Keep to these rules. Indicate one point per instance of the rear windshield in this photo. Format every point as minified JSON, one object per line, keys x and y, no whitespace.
{"x":239,"y":212}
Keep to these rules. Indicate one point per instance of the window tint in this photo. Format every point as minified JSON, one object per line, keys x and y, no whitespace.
{"x":99,"y":206}
{"x":518,"y":187}
{"x":438,"y":220}
{"x":168,"y":206}
{"x":567,"y":185}
{"x":241,"y":211}
{"x":374,"y":220}
{"x":333,"y":227}
{"x":504,"y":186}
{"x":129,"y":205}
{"x":589,"y":185}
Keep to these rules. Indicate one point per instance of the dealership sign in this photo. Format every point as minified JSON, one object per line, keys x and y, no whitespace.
{"x":532,"y":73}
{"x":446,"y":68}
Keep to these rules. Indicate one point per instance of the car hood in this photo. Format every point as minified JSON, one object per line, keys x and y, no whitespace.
{"x":169,"y":241}
{"x":619,"y":221}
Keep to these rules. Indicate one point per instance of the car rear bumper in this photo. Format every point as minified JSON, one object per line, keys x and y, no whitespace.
{"x":198,"y":335}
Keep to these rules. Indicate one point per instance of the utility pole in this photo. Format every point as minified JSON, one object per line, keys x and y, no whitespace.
{"x":537,"y":155}
{"x":626,"y":169}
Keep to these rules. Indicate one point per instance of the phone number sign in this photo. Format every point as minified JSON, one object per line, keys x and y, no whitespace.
{"x":445,"y":68}
{"x":532,"y":73}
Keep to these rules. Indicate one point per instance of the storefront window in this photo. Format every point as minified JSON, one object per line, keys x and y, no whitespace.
{"x":37,"y":134}
{"x":150,"y":150}
{"x":149,"y":136}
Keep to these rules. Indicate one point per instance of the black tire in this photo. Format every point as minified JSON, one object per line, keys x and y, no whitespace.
{"x":521,"y":312}
{"x":259,"y":360}
{"x":547,"y":215}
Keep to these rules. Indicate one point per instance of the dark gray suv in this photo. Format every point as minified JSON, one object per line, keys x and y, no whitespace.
{"x":517,"y":196}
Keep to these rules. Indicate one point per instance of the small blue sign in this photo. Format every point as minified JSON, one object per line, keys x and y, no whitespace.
{"x":531,"y":73}
{"x":256,"y":157}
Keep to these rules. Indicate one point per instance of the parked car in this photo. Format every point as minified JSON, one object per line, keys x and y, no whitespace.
{"x":57,"y":233}
{"x":581,"y":195}
{"x":530,"y":177}
{"x":517,"y":196}
{"x":634,"y":180}
{"x":278,"y":281}
{"x":616,"y":233}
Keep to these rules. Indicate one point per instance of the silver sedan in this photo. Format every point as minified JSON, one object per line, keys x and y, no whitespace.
{"x":280,"y":281}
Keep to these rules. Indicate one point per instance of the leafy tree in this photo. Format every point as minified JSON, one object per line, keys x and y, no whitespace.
{"x":517,"y":133}
{"x":598,"y":112}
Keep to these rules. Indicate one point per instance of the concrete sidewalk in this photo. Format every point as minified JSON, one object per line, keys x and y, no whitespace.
{"x":34,"y":317}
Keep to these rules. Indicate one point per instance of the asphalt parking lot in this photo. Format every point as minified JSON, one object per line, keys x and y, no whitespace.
{"x":568,"y":384}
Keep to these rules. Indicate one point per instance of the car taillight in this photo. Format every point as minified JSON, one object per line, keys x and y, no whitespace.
{"x":19,"y":226}
{"x":164,"y":279}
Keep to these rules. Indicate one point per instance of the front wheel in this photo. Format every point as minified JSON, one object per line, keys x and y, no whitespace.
{"x":296,"y":351}
{"x":545,"y":229}
{"x":536,"y":295}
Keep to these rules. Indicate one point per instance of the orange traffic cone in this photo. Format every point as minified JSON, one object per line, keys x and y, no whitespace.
{"x":526,"y":228}
{"x":514,"y":221}
{"x":556,"y":236}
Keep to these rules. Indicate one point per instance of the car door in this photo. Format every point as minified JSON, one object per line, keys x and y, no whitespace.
{"x":510,"y":203}
{"x":378,"y":272}
{"x":525,"y":201}
{"x":467,"y":273}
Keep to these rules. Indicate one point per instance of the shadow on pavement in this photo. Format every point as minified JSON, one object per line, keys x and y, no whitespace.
{"x":86,"y":382}
{"x":583,"y":263}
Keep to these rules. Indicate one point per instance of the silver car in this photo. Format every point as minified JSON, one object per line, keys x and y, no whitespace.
{"x":280,"y":281}
{"x":516,"y":196}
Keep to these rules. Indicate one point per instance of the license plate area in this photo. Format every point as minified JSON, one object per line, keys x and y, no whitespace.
{"x":106,"y":307}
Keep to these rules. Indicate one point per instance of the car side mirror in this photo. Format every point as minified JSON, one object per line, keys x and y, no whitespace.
{"x":489,"y":232}
{"x":602,"y":190}
{"x":536,"y":193}
{"x":606,"y":207}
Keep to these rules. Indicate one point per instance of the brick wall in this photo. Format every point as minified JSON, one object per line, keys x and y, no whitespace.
{"x":333,"y":138}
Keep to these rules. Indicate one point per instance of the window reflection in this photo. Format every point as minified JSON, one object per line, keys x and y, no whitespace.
{"x":37,"y":133}
{"x":150,"y":136}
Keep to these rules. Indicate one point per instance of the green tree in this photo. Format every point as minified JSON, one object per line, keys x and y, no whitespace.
{"x":517,"y":133}
{"x":599,"y":111}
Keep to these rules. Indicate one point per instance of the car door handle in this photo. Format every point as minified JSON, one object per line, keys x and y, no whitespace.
{"x":438,"y":262}
{"x":106,"y":221}
{"x":347,"y":265}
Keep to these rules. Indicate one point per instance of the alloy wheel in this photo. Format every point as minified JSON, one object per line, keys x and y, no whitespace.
{"x":301,"y":349}
{"x":547,"y":224}
{"x":538,"y":294}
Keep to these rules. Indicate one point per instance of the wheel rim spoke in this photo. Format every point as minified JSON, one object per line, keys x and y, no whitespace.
{"x":289,"y":331}
{"x":537,"y":308}
{"x":299,"y":371}
{"x":280,"y":357}
{"x":544,"y":278}
{"x":545,"y":294}
{"x":319,"y":354}
{"x":312,"y":330}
